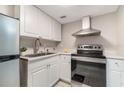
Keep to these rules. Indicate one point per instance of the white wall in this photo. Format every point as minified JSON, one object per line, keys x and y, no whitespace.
{"x":106,"y":23}
{"x":7,"y":9}
{"x":68,"y":41}
{"x":120,"y":32}
{"x":16,"y":11}
{"x":10,"y":10}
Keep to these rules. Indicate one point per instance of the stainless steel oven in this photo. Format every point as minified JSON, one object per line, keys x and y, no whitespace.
{"x":88,"y":65}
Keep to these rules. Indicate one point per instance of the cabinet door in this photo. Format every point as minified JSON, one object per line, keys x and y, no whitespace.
{"x":44,"y":25}
{"x":31,"y":20}
{"x":114,"y":79}
{"x":114,"y":64}
{"x":65,"y":72}
{"x":65,"y":68}
{"x":40,"y":77}
{"x":53,"y":74}
{"x":122,"y":79}
{"x":56,"y":30}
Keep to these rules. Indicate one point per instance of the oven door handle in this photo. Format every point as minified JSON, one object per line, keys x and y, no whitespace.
{"x":89,"y":59}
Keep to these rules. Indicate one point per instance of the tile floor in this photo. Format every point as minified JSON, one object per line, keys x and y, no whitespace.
{"x":62,"y":84}
{"x":73,"y":84}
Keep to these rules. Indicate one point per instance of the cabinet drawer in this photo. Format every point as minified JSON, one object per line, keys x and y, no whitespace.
{"x":54,"y":58}
{"x":40,"y":62}
{"x":67,"y":58}
{"x":115,"y":64}
{"x":38,"y":68}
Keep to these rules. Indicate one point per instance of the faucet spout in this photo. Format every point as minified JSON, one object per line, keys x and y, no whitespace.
{"x":37,"y":45}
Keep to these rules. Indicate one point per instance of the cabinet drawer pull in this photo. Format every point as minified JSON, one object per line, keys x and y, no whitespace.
{"x":117,"y":64}
{"x":47,"y":65}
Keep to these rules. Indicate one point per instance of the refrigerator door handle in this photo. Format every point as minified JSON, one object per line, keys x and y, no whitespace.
{"x":8,"y":58}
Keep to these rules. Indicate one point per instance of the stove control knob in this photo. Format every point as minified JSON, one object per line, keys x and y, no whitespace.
{"x":78,"y":46}
{"x":95,"y":47}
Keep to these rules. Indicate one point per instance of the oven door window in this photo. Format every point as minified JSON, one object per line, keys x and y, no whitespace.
{"x":89,"y":73}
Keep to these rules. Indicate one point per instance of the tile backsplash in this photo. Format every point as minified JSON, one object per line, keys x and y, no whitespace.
{"x":29,"y":44}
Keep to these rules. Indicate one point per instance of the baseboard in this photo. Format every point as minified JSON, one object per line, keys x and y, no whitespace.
{"x":55,"y":83}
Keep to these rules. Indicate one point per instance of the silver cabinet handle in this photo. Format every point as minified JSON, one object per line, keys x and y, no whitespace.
{"x":116,"y":64}
{"x":47,"y":65}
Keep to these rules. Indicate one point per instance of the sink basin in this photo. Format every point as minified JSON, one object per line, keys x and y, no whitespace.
{"x":38,"y":54}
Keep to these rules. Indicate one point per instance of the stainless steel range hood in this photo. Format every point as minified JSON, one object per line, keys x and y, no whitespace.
{"x":87,"y":30}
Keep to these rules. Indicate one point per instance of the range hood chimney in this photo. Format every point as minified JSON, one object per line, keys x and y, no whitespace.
{"x":87,"y":30}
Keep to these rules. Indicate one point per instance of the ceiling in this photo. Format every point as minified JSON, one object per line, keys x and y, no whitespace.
{"x":76,"y":12}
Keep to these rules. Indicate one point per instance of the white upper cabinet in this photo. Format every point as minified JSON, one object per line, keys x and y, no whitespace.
{"x":35,"y":23}
{"x":44,"y":25}
{"x":28,"y":21}
{"x":31,"y":20}
{"x":56,"y":30}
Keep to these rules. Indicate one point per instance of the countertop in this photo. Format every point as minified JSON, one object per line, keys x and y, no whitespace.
{"x":114,"y":55}
{"x":43,"y":57}
{"x":111,"y":55}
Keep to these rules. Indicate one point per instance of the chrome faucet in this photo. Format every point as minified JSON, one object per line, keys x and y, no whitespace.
{"x":37,"y":46}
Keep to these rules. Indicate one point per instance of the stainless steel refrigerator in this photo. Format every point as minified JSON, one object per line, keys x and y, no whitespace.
{"x":9,"y":52}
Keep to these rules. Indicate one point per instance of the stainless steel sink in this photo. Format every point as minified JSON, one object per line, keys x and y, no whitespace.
{"x":38,"y":54}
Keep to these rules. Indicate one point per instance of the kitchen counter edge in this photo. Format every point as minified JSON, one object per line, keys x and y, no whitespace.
{"x":42,"y":57}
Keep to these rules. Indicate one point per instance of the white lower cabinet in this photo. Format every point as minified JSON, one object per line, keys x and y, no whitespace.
{"x":114,"y":79}
{"x":53,"y":74}
{"x":39,"y":77}
{"x":122,"y":79}
{"x":65,"y":68}
{"x":115,"y":73}
{"x":46,"y":72}
{"x":43,"y":73}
